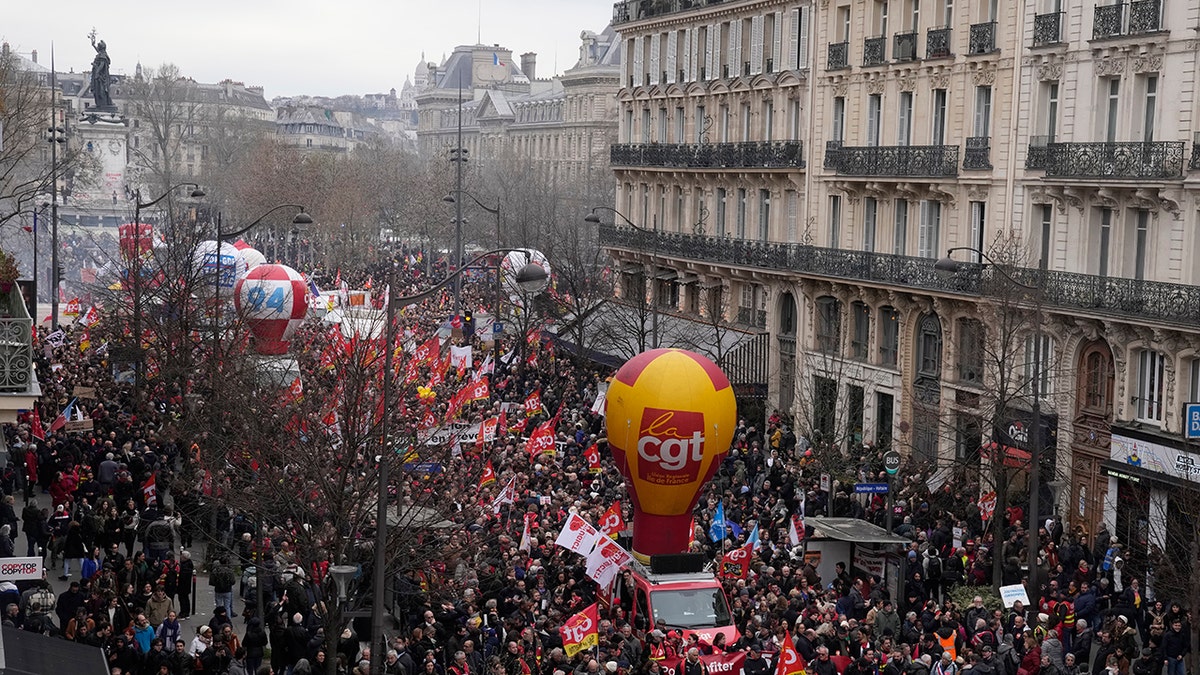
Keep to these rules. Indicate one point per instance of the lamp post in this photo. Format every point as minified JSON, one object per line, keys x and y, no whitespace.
{"x":949,"y":266}
{"x":595,"y":220}
{"x":532,"y":279}
{"x":449,"y":199}
{"x":57,"y":135}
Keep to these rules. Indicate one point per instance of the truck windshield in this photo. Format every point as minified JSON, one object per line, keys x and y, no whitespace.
{"x":691,"y":608}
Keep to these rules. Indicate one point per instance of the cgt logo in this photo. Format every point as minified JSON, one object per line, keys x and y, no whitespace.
{"x":578,"y":631}
{"x":670,"y":446}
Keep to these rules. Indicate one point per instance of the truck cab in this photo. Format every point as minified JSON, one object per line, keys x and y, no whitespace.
{"x":672,"y":597}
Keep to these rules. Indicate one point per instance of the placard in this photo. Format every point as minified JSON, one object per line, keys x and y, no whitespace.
{"x":21,"y":569}
{"x":85,"y":392}
{"x":1013,"y":593}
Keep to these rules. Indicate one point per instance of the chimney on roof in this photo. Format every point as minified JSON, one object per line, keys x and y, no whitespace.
{"x":33,"y":56}
{"x":529,"y":65}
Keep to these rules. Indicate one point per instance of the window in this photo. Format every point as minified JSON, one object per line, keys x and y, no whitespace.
{"x":860,"y":342}
{"x":662,"y":125}
{"x":1149,"y":395}
{"x":679,"y":210}
{"x":645,"y":203}
{"x":793,"y":120}
{"x":741,"y":213}
{"x":1096,"y":380}
{"x":904,"y":130}
{"x":930,"y":226}
{"x":829,"y":324}
{"x":746,"y":123}
{"x":968,"y":439}
{"x":885,"y":410}
{"x":1141,"y":234}
{"x":646,"y":125}
{"x":1193,"y":380}
{"x":874,"y":113}
{"x":839,"y":118}
{"x":929,"y":346}
{"x":764,"y":214}
{"x":857,"y":405}
{"x":724,"y":124}
{"x":835,"y":221}
{"x":701,"y":122}
{"x":970,"y":351}
{"x":1150,"y":86}
{"x":938,"y":131}
{"x":1046,"y":236}
{"x":889,"y":336}
{"x":1039,"y":365}
{"x":793,"y":210}
{"x":844,"y":23}
{"x":1106,"y":217}
{"x":977,"y":213}
{"x":825,"y":394}
{"x":720,"y":212}
{"x":983,"y":111}
{"x":900,"y":231}
{"x":870,"y":209}
{"x":1051,"y":109}
{"x":881,"y":7}
{"x":716,"y":303}
{"x":768,"y":121}
{"x":1112,"y":109}
{"x":680,"y":120}
{"x":948,"y":13}
{"x":925,"y":435}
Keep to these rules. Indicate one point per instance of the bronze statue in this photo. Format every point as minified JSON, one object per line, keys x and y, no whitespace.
{"x":100,"y":77}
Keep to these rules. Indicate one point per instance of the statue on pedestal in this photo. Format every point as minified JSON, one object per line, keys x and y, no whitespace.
{"x":100,"y":77}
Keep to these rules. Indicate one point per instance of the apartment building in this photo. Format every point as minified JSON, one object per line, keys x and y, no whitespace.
{"x":798,"y":168}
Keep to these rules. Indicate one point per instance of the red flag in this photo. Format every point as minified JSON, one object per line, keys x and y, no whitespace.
{"x":519,"y":427}
{"x":790,"y":661}
{"x":533,"y":402}
{"x":581,"y":631}
{"x":796,"y":531}
{"x":295,"y":392}
{"x":428,"y":351}
{"x":489,"y":474}
{"x":438,"y":374}
{"x":736,"y":563}
{"x":502,"y":427}
{"x":592,"y":454}
{"x":612,"y":522}
{"x":61,"y":421}
{"x":150,"y":491}
{"x":35,"y":427}
{"x":542,"y":439}
{"x":487,"y":430}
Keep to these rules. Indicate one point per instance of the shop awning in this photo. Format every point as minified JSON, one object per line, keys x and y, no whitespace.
{"x":853,"y":530}
{"x":1014,"y":458}
{"x":666,"y":275}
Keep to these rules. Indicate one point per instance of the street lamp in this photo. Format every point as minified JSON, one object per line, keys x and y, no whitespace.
{"x":595,"y":220}
{"x":948,"y":266}
{"x":449,"y":199}
{"x":531,"y":278}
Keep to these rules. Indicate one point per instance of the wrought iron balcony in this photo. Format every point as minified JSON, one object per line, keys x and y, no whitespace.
{"x":1047,"y":29}
{"x":904,"y":47}
{"x":983,"y":38}
{"x":1038,"y":154}
{"x":765,"y":155}
{"x":937,"y":43}
{"x":16,"y":345}
{"x":1145,"y":16}
{"x":1167,"y":303}
{"x":1154,"y":160}
{"x":978,"y":156}
{"x":832,"y":148}
{"x":632,"y":10}
{"x":839,"y":56}
{"x":1195,"y":163}
{"x":896,"y":160}
{"x":1108,"y":21}
{"x":874,"y":51}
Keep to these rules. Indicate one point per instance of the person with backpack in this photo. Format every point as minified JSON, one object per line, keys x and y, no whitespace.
{"x":222,"y":581}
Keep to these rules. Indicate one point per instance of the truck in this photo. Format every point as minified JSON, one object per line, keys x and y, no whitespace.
{"x":674,"y":592}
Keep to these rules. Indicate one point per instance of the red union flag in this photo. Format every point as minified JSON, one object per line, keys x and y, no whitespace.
{"x":581,"y":631}
{"x":592,"y":455}
{"x":150,"y":491}
{"x":606,"y":560}
{"x":533,"y":403}
{"x":577,"y":535}
{"x":612,"y":522}
{"x":987,"y":505}
{"x":72,"y":308}
{"x":542,"y":439}
{"x":477,"y":390}
{"x":489,"y":475}
{"x":428,"y":351}
{"x":670,"y":446}
{"x":736,"y":563}
{"x":790,"y":662}
{"x":487,"y":431}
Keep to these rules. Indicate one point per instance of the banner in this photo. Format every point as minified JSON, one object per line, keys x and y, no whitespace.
{"x":598,"y":406}
{"x":71,"y":308}
{"x":736,"y":563}
{"x":507,"y":496}
{"x":487,"y":430}
{"x":987,"y":505}
{"x":460,"y":358}
{"x":581,"y":631}
{"x":867,"y":561}
{"x":577,"y":535}
{"x":606,"y":560}
{"x":21,"y":569}
{"x":717,"y":664}
{"x":612,"y":522}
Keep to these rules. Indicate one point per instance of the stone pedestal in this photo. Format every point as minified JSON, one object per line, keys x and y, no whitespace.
{"x":103,"y":136}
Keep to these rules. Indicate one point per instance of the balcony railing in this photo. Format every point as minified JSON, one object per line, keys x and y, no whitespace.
{"x":983,"y":38}
{"x":874,"y":51}
{"x":832,"y":148}
{"x":1047,"y":29}
{"x":1162,"y":160}
{"x":1168,"y":303}
{"x":1038,"y":153}
{"x":937,"y":43}
{"x":766,"y":155}
{"x":978,"y":156}
{"x":16,"y":349}
{"x":1195,"y":163}
{"x":839,"y":56}
{"x":1108,"y":21}
{"x":896,"y":160}
{"x":904,"y":47}
{"x":632,"y":10}
{"x":1145,"y":16}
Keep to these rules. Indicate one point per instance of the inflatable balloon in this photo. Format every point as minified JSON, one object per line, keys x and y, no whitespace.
{"x":273,"y":299}
{"x":221,"y":261}
{"x":247,"y":259}
{"x":670,"y":419}
{"x":514,"y":262}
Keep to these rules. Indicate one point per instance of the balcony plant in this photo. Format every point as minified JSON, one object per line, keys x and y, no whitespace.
{"x":8,"y":271}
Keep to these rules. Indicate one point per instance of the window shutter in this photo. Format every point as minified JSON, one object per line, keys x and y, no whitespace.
{"x":793,"y":55}
{"x":802,"y":32}
{"x":777,"y":43}
{"x":694,"y":51}
{"x":672,"y":47}
{"x":687,"y":62}
{"x":655,"y":73}
{"x":714,"y":59}
{"x":638,"y":71}
{"x":735,"y":48}
{"x":756,"y":44}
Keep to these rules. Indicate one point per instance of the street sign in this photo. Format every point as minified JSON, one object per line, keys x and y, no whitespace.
{"x":826,"y":483}
{"x":871,"y":488}
{"x":891,"y":462}
{"x":497,"y":327}
{"x":1192,"y":415}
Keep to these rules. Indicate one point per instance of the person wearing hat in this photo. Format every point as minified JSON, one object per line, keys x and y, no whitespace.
{"x":201,"y":642}
{"x":755,"y":664}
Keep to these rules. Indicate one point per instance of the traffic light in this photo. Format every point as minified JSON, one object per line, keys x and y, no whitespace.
{"x":468,"y":324}
{"x":459,"y":155}
{"x":60,"y":275}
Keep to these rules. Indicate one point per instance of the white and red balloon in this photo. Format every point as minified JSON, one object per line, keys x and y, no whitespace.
{"x":247,"y":259}
{"x":274,"y":300}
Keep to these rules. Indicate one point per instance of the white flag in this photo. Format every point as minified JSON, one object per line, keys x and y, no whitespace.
{"x":526,"y":544}
{"x":577,"y":535}
{"x":460,"y":357}
{"x":599,"y":406}
{"x":795,"y":531}
{"x":507,"y":496}
{"x":606,"y":560}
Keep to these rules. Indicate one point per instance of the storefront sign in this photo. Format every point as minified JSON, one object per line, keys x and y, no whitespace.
{"x":1155,"y":457}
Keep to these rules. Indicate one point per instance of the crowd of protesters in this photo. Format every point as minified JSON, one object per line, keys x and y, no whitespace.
{"x":493,"y":607}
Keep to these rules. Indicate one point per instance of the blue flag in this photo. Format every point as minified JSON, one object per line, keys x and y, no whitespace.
{"x":716,"y":531}
{"x":753,"y":538}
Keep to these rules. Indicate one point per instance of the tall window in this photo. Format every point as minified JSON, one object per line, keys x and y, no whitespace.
{"x":874,"y":113}
{"x":900,"y":229}
{"x":764,"y":215}
{"x":860,"y":342}
{"x":1095,"y":382}
{"x":970,"y":351}
{"x":904,"y":129}
{"x":829,"y":324}
{"x":646,"y":125}
{"x":977,"y":218}
{"x":1193,"y":372}
{"x":793,"y":213}
{"x":724,"y":124}
{"x":746,"y":123}
{"x":628,"y":126}
{"x":680,"y":121}
{"x":1149,"y":397}
{"x":1047,"y":233}
{"x":1103,"y":250}
{"x":930,"y":229}
{"x":1051,"y":109}
{"x":929,"y":346}
{"x":835,"y":221}
{"x":768,"y":121}
{"x":679,"y":209}
{"x":1112,"y":109}
{"x":793,"y":119}
{"x":662,"y":125}
{"x":741,"y":213}
{"x":1150,"y":106}
{"x":720,"y":212}
{"x":889,"y":336}
{"x":885,"y":410}
{"x":701,"y":122}
{"x":870,"y":209}
{"x":844,"y":23}
{"x":1041,"y":368}
{"x":839,"y":118}
{"x":983,"y":111}
{"x":938,"y":131}
{"x":1141,"y":236}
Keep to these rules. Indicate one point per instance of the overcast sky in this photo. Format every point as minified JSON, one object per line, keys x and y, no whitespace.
{"x":318,"y":47}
